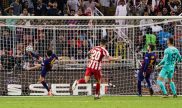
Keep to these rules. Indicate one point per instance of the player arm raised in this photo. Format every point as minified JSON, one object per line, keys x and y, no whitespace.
{"x":163,"y":60}
{"x":110,"y":58}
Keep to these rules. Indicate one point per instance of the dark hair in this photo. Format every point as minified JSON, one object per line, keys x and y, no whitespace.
{"x":103,"y":42}
{"x":171,"y":40}
{"x":49,"y":52}
{"x":152,"y":47}
{"x":149,"y":30}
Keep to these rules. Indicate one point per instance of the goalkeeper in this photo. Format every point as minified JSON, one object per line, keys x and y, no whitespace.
{"x":147,"y":69}
{"x":171,"y":57}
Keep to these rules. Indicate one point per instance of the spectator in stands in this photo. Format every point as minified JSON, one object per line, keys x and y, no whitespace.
{"x":173,"y":5}
{"x":111,"y":46}
{"x":172,"y":13}
{"x":2,"y":21}
{"x":149,"y":38}
{"x":41,"y":43}
{"x":60,"y":5}
{"x":72,"y":22}
{"x":6,"y":41}
{"x":73,"y":5}
{"x":61,"y":46}
{"x":151,"y":10}
{"x":156,"y":28}
{"x":1,"y":13}
{"x":121,"y":10}
{"x":7,"y":61}
{"x":80,"y":12}
{"x":30,"y":5}
{"x":79,"y":53}
{"x":159,"y":13}
{"x":53,"y":10}
{"x":40,"y":8}
{"x":82,"y":35}
{"x":144,"y":22}
{"x":85,"y":48}
{"x":132,"y":10}
{"x":24,"y":21}
{"x":9,"y":11}
{"x":72,"y":13}
{"x":105,"y":4}
{"x":160,"y":5}
{"x":165,"y":12}
{"x":71,"y":48}
{"x":116,"y":2}
{"x":142,"y":7}
{"x":19,"y":50}
{"x":17,"y":7}
{"x":163,"y":36}
{"x":25,"y":12}
{"x":25,"y":5}
{"x":90,"y":4}
{"x":89,"y":12}
{"x":179,"y":10}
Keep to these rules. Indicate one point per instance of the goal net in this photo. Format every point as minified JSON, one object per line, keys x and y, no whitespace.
{"x":71,"y":38}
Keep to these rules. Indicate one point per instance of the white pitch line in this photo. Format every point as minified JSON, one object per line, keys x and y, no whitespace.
{"x":78,"y":96}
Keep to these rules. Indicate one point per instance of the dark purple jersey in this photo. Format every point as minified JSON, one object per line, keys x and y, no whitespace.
{"x":47,"y":64}
{"x":149,"y":62}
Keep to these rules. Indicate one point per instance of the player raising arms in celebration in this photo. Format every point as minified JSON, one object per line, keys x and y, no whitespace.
{"x":96,"y":56}
{"x":146,"y":69}
{"x":171,"y":56}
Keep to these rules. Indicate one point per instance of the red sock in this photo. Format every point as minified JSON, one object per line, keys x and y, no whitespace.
{"x":97,"y":88}
{"x":81,"y":81}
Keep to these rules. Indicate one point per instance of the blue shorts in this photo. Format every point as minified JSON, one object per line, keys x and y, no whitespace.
{"x":167,"y":71}
{"x":43,"y":72}
{"x":141,"y":77}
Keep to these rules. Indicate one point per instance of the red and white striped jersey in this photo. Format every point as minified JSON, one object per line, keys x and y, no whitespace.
{"x":96,"y":55}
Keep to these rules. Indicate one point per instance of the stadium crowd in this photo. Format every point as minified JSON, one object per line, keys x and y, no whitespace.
{"x":88,"y":7}
{"x":76,"y":43}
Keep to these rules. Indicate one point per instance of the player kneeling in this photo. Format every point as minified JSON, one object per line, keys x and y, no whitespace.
{"x":146,"y":69}
{"x":96,"y":56}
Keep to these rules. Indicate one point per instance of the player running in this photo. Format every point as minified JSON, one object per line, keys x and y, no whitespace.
{"x":171,"y":57}
{"x":96,"y":56}
{"x":146,"y":69}
{"x":45,"y":67}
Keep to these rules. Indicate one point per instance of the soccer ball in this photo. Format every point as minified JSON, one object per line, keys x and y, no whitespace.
{"x":29,"y":48}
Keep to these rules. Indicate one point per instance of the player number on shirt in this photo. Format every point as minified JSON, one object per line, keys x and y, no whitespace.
{"x":174,"y":57}
{"x":95,"y":55}
{"x":52,"y":61}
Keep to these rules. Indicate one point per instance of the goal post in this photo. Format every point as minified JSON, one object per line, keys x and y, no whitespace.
{"x":71,"y":38}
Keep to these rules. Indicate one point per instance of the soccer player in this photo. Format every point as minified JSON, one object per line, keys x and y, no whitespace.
{"x":96,"y":56}
{"x":171,"y":57}
{"x":45,"y":67}
{"x":30,"y":55}
{"x":146,"y":69}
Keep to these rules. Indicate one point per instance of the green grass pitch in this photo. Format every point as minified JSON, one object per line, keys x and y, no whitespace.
{"x":89,"y":102}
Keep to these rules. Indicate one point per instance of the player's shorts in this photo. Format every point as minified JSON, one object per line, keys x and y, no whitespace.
{"x":97,"y":73}
{"x":43,"y":73}
{"x":167,"y":71}
{"x":141,"y":77}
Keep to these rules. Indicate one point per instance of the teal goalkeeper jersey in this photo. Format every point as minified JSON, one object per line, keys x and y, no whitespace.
{"x":171,"y":56}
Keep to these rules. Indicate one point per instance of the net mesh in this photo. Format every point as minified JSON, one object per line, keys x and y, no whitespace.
{"x":72,"y":39}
